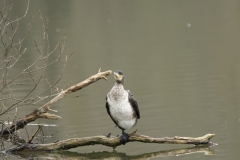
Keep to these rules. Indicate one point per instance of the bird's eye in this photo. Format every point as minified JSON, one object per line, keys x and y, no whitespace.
{"x":119,"y":72}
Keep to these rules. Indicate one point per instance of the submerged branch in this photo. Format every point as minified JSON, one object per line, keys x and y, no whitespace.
{"x":111,"y":142}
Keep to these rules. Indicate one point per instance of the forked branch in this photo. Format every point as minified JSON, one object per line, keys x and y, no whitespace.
{"x":42,"y":112}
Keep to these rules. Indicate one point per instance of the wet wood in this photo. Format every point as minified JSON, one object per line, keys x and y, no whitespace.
{"x":111,"y":142}
{"x":42,"y":112}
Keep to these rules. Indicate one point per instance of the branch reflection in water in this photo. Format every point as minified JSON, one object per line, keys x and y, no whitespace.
{"x":116,"y":155}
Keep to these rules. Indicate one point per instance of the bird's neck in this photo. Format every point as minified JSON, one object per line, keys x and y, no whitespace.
{"x":120,"y":81}
{"x":119,"y":85}
{"x":117,"y":91}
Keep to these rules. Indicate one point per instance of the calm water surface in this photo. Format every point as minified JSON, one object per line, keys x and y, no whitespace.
{"x":180,"y":59}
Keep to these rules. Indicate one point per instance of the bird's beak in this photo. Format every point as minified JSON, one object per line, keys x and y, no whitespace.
{"x":116,"y":75}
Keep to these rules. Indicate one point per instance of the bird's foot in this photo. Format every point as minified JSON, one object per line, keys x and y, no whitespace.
{"x":124,"y":138}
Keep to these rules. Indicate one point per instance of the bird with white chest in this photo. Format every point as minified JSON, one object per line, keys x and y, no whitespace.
{"x":122,"y":107}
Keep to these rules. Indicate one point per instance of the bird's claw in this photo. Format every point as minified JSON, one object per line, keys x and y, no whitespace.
{"x":124,"y":138}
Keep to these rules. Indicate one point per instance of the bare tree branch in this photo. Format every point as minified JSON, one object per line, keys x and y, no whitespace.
{"x":13,"y":54}
{"x":23,"y":15}
{"x":42,"y":111}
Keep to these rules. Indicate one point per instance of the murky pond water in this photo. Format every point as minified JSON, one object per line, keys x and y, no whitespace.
{"x":180,"y":60}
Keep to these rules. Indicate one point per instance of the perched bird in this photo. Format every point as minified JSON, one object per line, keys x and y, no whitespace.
{"x":122,"y":107}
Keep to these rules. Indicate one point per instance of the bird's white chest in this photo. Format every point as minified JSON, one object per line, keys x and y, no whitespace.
{"x":122,"y":112}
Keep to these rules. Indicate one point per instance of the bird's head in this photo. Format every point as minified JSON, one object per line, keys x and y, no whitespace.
{"x":118,"y":75}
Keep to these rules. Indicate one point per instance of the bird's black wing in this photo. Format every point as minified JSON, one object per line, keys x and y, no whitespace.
{"x":134,"y":104}
{"x":108,"y":111}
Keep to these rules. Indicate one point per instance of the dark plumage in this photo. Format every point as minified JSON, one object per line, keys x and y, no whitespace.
{"x":122,"y":107}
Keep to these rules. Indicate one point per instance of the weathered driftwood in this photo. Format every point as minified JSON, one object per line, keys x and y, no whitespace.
{"x":42,"y":112}
{"x":111,"y":142}
{"x":114,"y":154}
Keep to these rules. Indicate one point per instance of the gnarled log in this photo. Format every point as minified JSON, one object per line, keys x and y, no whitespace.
{"x":111,"y":142}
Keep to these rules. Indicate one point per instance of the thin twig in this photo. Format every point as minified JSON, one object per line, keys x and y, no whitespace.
{"x":30,"y":140}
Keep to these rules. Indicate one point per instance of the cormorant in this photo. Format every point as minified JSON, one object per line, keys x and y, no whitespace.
{"x":122,"y":107}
